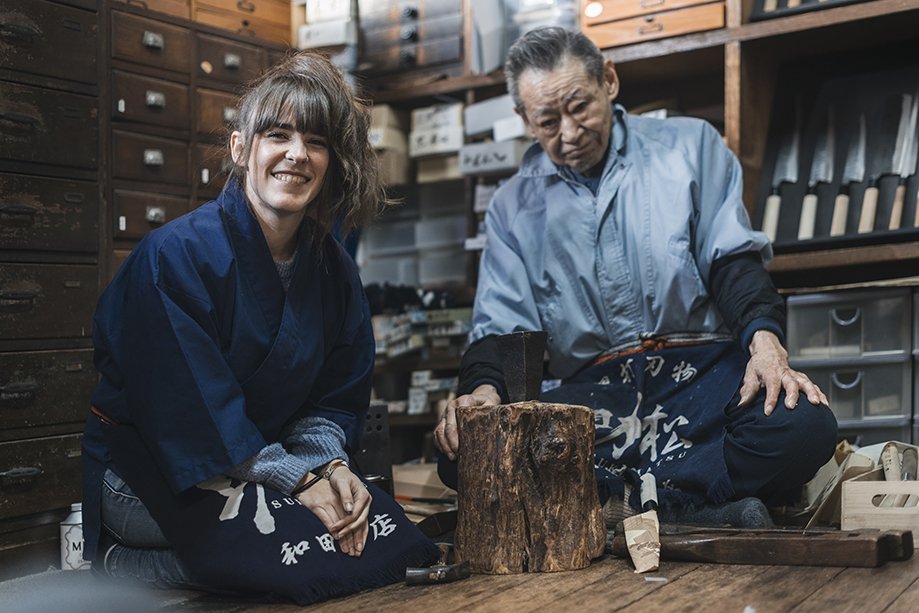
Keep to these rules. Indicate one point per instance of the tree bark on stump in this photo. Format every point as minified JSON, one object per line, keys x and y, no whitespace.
{"x":527,"y":491}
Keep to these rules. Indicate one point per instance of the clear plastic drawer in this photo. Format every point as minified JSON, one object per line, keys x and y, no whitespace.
{"x":864,"y":390}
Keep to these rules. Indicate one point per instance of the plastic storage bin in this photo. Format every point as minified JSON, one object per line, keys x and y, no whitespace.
{"x":865,"y":389}
{"x":440,"y":232}
{"x":441,"y":267}
{"x":880,"y":431}
{"x":849,"y":324}
{"x":395,"y":270}
{"x":387,"y":238}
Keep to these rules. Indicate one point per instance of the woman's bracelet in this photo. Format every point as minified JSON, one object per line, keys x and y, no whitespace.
{"x":326,"y":474}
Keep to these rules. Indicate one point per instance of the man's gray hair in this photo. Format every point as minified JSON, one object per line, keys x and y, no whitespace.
{"x":543,"y":49}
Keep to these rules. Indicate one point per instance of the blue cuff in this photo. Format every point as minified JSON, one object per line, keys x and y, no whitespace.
{"x":760,"y":323}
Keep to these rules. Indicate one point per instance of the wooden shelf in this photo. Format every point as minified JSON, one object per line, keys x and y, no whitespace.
{"x":845,"y":265}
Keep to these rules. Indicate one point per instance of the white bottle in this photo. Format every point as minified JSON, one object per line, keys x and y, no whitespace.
{"x":72,"y":540}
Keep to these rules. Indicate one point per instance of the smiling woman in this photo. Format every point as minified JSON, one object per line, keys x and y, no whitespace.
{"x":236,"y":356}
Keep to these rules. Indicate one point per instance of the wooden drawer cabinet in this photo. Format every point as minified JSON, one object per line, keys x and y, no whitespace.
{"x":41,"y":301}
{"x":228,"y":61}
{"x":212,"y":168}
{"x":39,"y":474}
{"x":243,"y":23}
{"x":41,"y":388}
{"x":175,"y":8}
{"x":274,"y":11}
{"x":215,"y":113}
{"x":149,"y":158}
{"x":657,"y":25}
{"x":149,"y":42}
{"x":48,"y":213}
{"x":49,"y":39}
{"x":148,"y":100}
{"x":136,"y":213}
{"x":610,"y":10}
{"x":35,"y":122}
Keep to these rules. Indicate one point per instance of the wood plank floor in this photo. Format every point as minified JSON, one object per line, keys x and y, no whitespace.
{"x":610,"y":585}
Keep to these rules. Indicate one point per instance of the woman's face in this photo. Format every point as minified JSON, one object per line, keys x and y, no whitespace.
{"x":285,"y":170}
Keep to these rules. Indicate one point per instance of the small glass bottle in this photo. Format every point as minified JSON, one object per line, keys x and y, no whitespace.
{"x":72,"y":540}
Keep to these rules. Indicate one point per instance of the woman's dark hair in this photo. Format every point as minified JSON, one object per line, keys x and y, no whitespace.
{"x":543,"y":49}
{"x":309,"y":89}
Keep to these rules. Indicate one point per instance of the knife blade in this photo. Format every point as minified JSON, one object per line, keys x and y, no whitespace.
{"x":853,"y":172}
{"x":821,"y":172}
{"x":905,"y":165}
{"x":785,"y":171}
{"x":886,"y":154}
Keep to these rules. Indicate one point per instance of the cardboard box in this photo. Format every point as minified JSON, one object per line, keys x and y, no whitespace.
{"x":447,"y":139}
{"x":327,"y":10}
{"x":419,"y":481}
{"x":327,"y":34}
{"x":395,"y":167}
{"x":492,"y":158}
{"x":431,"y":170}
{"x":481,"y":116}
{"x":508,"y":128}
{"x":383,"y":115}
{"x":385,"y":137}
{"x":438,"y":116}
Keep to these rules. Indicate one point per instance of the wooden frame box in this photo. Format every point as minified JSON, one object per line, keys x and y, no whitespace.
{"x":860,"y":511}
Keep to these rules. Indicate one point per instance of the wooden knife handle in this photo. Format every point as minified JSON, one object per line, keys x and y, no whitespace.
{"x":770,"y":5}
{"x":896,"y":213}
{"x":916,"y":218}
{"x":840,"y":213}
{"x":793,"y":4}
{"x":771,"y":215}
{"x":808,"y":217}
{"x":869,"y":211}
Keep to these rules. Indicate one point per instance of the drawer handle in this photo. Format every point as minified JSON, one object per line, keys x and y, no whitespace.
{"x":18,"y":32}
{"x":245,"y":5}
{"x":153,"y":40}
{"x":20,"y":118}
{"x":846,"y":386}
{"x":651,"y":27}
{"x":155,"y":214}
{"x":154,"y":157}
{"x":21,"y":477}
{"x":408,"y":33}
{"x":646,"y":4}
{"x":18,"y":394}
{"x":139,"y":3}
{"x":407,"y":58}
{"x":18,"y":214}
{"x":842,"y":320}
{"x":409,"y":12}
{"x":229,"y":114}
{"x":232,"y":61}
{"x":155,"y":99}
{"x":17,"y":299}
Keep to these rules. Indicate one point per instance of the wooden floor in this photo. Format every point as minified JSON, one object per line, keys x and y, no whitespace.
{"x":610,"y":585}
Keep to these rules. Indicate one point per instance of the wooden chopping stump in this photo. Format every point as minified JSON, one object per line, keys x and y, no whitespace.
{"x":527,"y":492}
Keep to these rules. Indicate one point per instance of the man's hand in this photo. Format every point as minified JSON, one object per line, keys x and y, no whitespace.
{"x":446,"y":436}
{"x":768,"y":367}
{"x":342,"y":504}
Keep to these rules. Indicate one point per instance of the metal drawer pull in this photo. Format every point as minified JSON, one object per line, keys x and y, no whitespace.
{"x":646,"y":4}
{"x":651,"y":27}
{"x":153,"y":40}
{"x":843,"y":321}
{"x":18,"y":214}
{"x":846,"y":386}
{"x":17,"y":297}
{"x":154,"y":157}
{"x":155,"y":214}
{"x":205,"y":176}
{"x":18,"y":32}
{"x":20,"y":118}
{"x":245,"y":5}
{"x":409,"y":12}
{"x":232,"y":60}
{"x":155,"y":99}
{"x":408,"y":33}
{"x":229,"y":114}
{"x":20,"y":477}
{"x":18,"y":394}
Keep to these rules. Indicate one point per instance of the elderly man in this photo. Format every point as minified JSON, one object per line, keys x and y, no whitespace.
{"x":625,"y":238}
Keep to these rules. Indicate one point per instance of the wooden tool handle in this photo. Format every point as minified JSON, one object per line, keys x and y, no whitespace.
{"x":840,"y":213}
{"x":869,"y":211}
{"x":808,"y":217}
{"x":916,"y":218}
{"x":770,"y":5}
{"x":771,"y":215}
{"x":896,"y":213}
{"x":793,"y":4}
{"x":890,"y":460}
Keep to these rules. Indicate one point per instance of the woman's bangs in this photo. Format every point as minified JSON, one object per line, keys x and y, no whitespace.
{"x":287,"y":101}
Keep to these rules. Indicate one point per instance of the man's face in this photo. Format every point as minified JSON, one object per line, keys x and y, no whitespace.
{"x":569,"y":113}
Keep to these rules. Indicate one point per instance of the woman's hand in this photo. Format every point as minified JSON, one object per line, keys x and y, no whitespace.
{"x":342,"y":504}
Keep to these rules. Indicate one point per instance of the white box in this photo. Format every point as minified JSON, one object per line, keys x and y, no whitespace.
{"x":483,"y":195}
{"x":327,"y":34}
{"x":481,"y":116}
{"x":447,"y":139}
{"x":327,"y":10}
{"x":476,"y":243}
{"x":438,"y":116}
{"x":431,"y":170}
{"x":508,"y":128}
{"x":417,"y":401}
{"x":384,"y":137}
{"x":492,"y":158}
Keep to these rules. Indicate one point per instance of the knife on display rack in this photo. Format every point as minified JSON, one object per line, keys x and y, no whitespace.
{"x":894,"y":122}
{"x":853,"y":172}
{"x":786,"y":171}
{"x":905,"y":164}
{"x":821,"y":172}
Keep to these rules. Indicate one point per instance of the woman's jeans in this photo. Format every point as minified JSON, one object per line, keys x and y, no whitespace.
{"x":140,"y":551}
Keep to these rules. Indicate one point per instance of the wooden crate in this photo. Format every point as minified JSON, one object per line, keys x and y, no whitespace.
{"x":656,"y":25}
{"x":859,"y":509}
